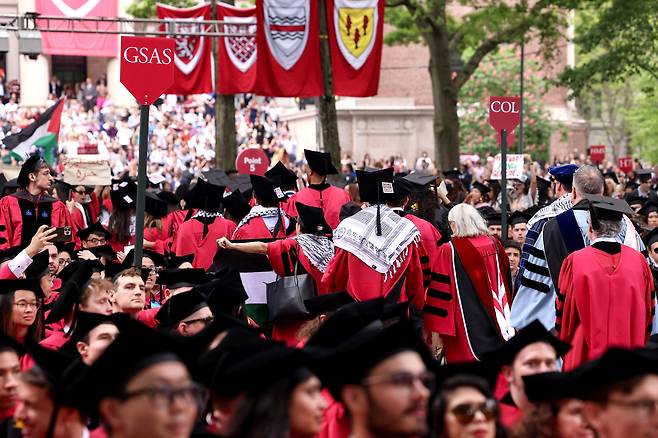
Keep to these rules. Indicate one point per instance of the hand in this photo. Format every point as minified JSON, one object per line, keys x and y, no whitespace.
{"x":87,"y":255}
{"x":148,"y":244}
{"x":121,"y":256}
{"x":224,"y":243}
{"x":42,"y":238}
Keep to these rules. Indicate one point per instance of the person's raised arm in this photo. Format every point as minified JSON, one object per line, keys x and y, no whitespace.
{"x":248,"y":247}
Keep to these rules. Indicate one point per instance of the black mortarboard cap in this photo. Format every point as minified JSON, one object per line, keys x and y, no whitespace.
{"x":266,"y":189}
{"x":650,"y":207}
{"x":95,"y":228}
{"x":39,"y":266}
{"x":3,"y":182}
{"x":650,"y":238}
{"x":644,"y":175}
{"x":243,"y":183}
{"x":482,"y":369}
{"x":31,"y":165}
{"x":546,"y":387}
{"x":533,"y":332}
{"x":178,"y":307}
{"x":323,"y":304}
{"x":9,"y":187}
{"x":518,"y":217}
{"x":375,"y":186}
{"x":104,"y":251}
{"x":72,"y":268}
{"x":236,"y":205}
{"x":543,"y":184}
{"x":175,"y":278}
{"x":60,"y":368}
{"x":169,"y":197}
{"x":320,"y":162}
{"x":63,"y":190}
{"x":9,"y":343}
{"x":216,"y":177}
{"x":158,"y":259}
{"x":284,"y":176}
{"x":605,"y":208}
{"x":68,"y":247}
{"x":313,"y":219}
{"x":421,"y":179}
{"x":86,"y":322}
{"x":113,"y":269}
{"x":634,"y":200}
{"x":175,"y":261}
{"x":494,"y":219}
{"x":402,"y":188}
{"x":72,"y":289}
{"x":123,"y":193}
{"x":453,"y":173}
{"x":481,"y":187}
{"x":155,"y":206}
{"x":349,"y":209}
{"x":632,"y":185}
{"x":612,"y":175}
{"x":205,"y":196}
{"x":225,"y":293}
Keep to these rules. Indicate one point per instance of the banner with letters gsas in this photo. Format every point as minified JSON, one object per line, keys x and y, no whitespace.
{"x":356,"y":30}
{"x":236,"y":67}
{"x":192,"y":72}
{"x":288,"y":62}
{"x":79,"y":44}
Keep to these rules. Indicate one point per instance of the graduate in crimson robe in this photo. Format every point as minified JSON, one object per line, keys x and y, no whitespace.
{"x":377,"y":251}
{"x":605,"y":294}
{"x":199,"y":235}
{"x":320,"y":194}
{"x":468,"y":300}
{"x":287,"y":180}
{"x":23,"y":212}
{"x":266,"y":220}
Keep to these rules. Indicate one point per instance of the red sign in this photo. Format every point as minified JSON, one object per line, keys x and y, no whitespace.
{"x":252,"y":161}
{"x":625,"y":164}
{"x":504,"y":112}
{"x":147,"y":67}
{"x":597,"y":153}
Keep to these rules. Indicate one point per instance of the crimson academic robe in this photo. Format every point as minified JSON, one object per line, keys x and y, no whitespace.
{"x":172,"y":221}
{"x":327,"y":197}
{"x":55,"y":341}
{"x":347,"y":272}
{"x":78,"y":218}
{"x":604,"y":300}
{"x":161,"y":240}
{"x":282,"y":255}
{"x":429,"y":240}
{"x":256,"y":229}
{"x":21,"y":214}
{"x":461,"y":306}
{"x":336,"y":421}
{"x":190,"y":240}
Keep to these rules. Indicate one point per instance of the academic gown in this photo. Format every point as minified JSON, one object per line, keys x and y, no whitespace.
{"x":256,"y":229}
{"x":347,"y":272}
{"x":190,"y":240}
{"x":55,"y":341}
{"x":325,"y":196}
{"x":605,"y":299}
{"x":468,"y":298}
{"x":429,"y":239}
{"x":162,"y":241}
{"x":21,"y":214}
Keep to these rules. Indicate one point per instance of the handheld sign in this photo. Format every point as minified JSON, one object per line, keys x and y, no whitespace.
{"x":252,"y":161}
{"x":514,"y":167}
{"x":147,"y":67}
{"x":597,"y":153}
{"x":625,"y":164}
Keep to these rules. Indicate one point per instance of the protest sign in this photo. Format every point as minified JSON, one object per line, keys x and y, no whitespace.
{"x":514,"y":167}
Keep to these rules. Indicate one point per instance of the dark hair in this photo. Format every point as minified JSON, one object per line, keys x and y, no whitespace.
{"x":128,"y":272}
{"x":119,"y":224}
{"x":36,"y":377}
{"x":540,"y":422}
{"x":440,"y":404}
{"x":267,"y":203}
{"x":35,"y":332}
{"x":602,"y":393}
{"x":512,"y":244}
{"x":266,"y":414}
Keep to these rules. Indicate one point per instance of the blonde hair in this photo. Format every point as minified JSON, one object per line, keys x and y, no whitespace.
{"x":468,"y":221}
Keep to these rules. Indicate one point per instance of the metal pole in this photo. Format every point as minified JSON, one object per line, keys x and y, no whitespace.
{"x":503,"y":183}
{"x":141,"y":183}
{"x":521,"y":139}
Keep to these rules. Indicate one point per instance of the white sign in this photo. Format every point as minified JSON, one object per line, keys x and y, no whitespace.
{"x":514,"y":167}
{"x":88,"y":173}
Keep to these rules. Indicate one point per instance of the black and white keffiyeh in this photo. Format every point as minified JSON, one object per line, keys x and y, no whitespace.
{"x":357,"y":235}
{"x":257,"y":211}
{"x":318,"y":249}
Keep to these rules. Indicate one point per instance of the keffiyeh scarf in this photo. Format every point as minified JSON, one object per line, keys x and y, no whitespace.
{"x":560,"y":205}
{"x":357,"y":235}
{"x":265,"y":213}
{"x":318,"y":249}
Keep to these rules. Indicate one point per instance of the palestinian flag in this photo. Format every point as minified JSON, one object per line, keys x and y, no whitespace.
{"x":42,"y":133}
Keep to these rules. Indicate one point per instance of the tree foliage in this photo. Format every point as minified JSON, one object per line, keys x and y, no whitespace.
{"x":616,"y":39}
{"x":146,"y":8}
{"x":499,"y":76}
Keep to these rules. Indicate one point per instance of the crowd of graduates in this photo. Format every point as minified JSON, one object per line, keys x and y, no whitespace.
{"x":396,"y":306}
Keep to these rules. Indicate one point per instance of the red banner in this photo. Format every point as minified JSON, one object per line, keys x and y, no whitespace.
{"x":356,"y":31}
{"x":625,"y":164}
{"x":288,"y":49}
{"x":192,"y":55}
{"x":237,"y":54}
{"x":79,"y":44}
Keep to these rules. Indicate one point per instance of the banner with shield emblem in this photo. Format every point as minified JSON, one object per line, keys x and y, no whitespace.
{"x":288,"y":48}
{"x":192,"y":74}
{"x":237,"y":53}
{"x":356,"y":37}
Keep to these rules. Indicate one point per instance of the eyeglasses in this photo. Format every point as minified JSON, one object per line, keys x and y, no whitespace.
{"x":466,"y":412}
{"x":206,"y":321}
{"x":23,"y":305}
{"x":64,"y":262}
{"x":645,"y":408}
{"x":164,"y":397}
{"x":80,"y":192}
{"x":403,"y":380}
{"x":96,"y":241}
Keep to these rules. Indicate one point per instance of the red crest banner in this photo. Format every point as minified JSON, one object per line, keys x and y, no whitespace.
{"x":192,"y":74}
{"x":237,"y":54}
{"x":79,"y":44}
{"x":597,"y":153}
{"x":288,"y":63}
{"x":626,"y":164}
{"x":356,"y":31}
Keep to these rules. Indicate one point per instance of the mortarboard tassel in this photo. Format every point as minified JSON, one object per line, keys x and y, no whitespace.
{"x":379,"y":221}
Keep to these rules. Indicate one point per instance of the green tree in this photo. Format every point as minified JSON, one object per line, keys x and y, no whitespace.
{"x":481,"y":30}
{"x":498,"y":76}
{"x":146,"y":8}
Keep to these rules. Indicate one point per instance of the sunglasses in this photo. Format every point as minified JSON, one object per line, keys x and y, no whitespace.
{"x":466,"y":412}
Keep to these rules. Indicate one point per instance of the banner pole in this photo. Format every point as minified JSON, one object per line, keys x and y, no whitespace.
{"x":141,"y":184}
{"x":503,"y":183}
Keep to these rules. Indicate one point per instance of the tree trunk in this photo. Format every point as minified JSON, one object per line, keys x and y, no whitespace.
{"x":444,"y":96}
{"x":328,"y":118}
{"x":225,"y":146}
